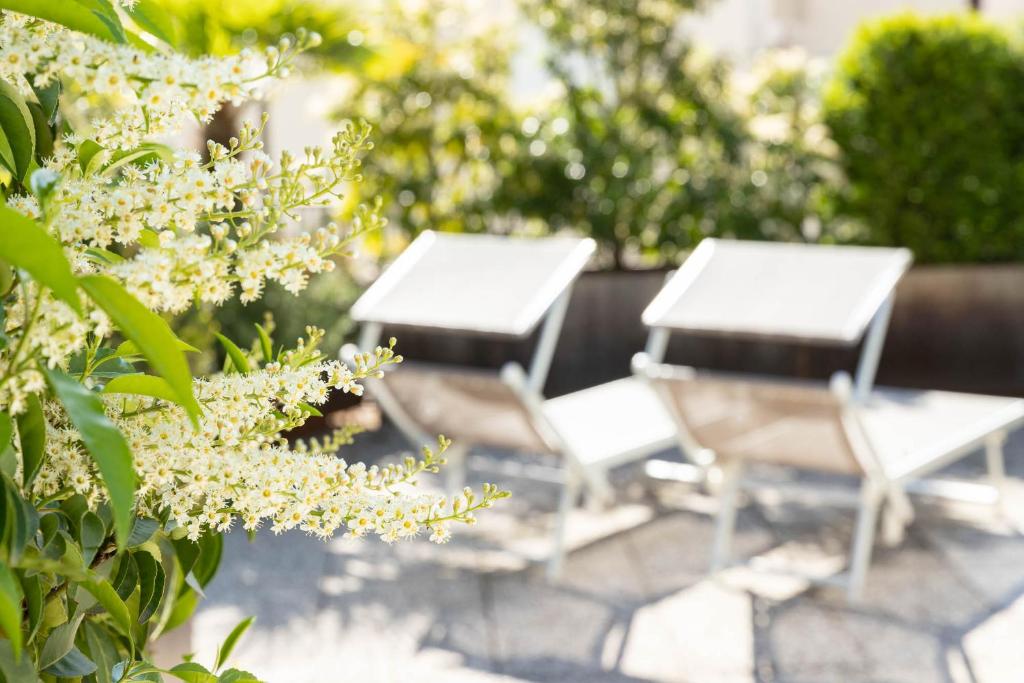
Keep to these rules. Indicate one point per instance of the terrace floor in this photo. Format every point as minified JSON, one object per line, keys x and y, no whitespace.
{"x":637,"y":605}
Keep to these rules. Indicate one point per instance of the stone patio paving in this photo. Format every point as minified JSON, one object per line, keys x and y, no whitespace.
{"x":637,"y":605}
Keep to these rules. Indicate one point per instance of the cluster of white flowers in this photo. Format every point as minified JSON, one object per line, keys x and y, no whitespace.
{"x":162,"y":205}
{"x":235,"y":466}
{"x":144,"y":94}
{"x":175,"y":229}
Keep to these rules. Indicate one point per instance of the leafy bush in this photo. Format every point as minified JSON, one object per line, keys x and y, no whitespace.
{"x":929,"y":115}
{"x":119,"y":469}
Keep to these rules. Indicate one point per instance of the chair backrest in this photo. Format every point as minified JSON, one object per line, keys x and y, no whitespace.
{"x":783,"y":422}
{"x":789,"y":292}
{"x":484,"y":284}
{"x":473,"y":407}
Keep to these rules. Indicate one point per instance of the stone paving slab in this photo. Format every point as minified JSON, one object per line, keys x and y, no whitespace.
{"x":635,"y":605}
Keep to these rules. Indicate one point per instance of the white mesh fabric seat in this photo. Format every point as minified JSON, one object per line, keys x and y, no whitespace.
{"x":611,"y":423}
{"x":822,"y":295}
{"x":915,"y":432}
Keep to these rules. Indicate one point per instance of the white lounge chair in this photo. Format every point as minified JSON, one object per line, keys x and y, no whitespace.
{"x":827,"y":295}
{"x":504,"y":287}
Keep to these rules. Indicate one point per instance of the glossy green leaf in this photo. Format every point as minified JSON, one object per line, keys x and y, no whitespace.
{"x":266,"y":344}
{"x":128,"y":349}
{"x":184,"y":606}
{"x":73,"y":665}
{"x":127,"y":577}
{"x":101,"y":650}
{"x":96,"y":17}
{"x":237,"y":676}
{"x":22,"y":520}
{"x":44,"y":136}
{"x":49,"y":99}
{"x":105,"y":444}
{"x":92,"y":532}
{"x":15,"y":666}
{"x":10,"y":608}
{"x":224,"y":651}
{"x":33,"y":592}
{"x":32,"y":439}
{"x":151,"y":584}
{"x":151,"y":335}
{"x":238,"y":359}
{"x":211,"y":547}
{"x":112,"y":602}
{"x":191,"y":672}
{"x":142,"y":530}
{"x":154,"y":19}
{"x":18,"y":126}
{"x":6,"y":430}
{"x":7,"y":159}
{"x":59,"y":642}
{"x":141,"y":385}
{"x":26,"y":245}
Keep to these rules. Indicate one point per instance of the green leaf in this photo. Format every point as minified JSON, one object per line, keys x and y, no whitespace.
{"x":266,"y":344}
{"x":309,"y":410}
{"x":6,"y":153}
{"x":105,"y":444}
{"x":128,"y":348}
{"x":187,"y":552}
{"x":88,"y":150}
{"x":22,"y":518}
{"x":33,"y":593}
{"x":26,"y":245}
{"x":211,"y":547}
{"x":112,"y":602}
{"x":49,"y":99}
{"x":73,"y":665}
{"x":97,"y":17}
{"x":10,"y":608}
{"x":238,"y":358}
{"x":142,"y":385}
{"x":151,"y":584}
{"x":127,"y":576}
{"x":44,"y":136}
{"x":191,"y":672}
{"x":151,"y":335}
{"x":60,"y":642}
{"x":18,"y":126}
{"x":237,"y":676}
{"x":101,"y":650}
{"x":184,"y":606}
{"x":92,"y":532}
{"x":142,"y":530}
{"x":32,"y":438}
{"x":6,"y":429}
{"x":15,"y":668}
{"x":224,"y":651}
{"x":155,"y":19}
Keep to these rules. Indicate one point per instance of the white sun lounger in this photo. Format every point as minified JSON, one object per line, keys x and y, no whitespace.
{"x":504,"y":287}
{"x":827,"y":295}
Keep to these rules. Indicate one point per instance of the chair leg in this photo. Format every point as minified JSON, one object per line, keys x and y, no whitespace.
{"x":570,"y":491}
{"x":728,"y":499}
{"x":996,"y":463}
{"x":863,"y":539}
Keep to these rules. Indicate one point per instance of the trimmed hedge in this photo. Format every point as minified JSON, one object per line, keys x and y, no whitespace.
{"x":929,"y":114}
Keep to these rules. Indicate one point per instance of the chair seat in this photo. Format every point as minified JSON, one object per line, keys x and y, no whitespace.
{"x":612,"y":423}
{"x":915,"y":432}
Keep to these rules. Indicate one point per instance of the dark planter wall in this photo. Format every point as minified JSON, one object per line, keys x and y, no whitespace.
{"x":953,"y":327}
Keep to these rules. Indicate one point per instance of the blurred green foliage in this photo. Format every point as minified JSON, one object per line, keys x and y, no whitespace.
{"x":929,"y":114}
{"x":641,"y":141}
{"x":225,"y":26}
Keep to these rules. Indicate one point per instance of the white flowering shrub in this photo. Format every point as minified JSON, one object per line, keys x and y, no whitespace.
{"x":119,"y":470}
